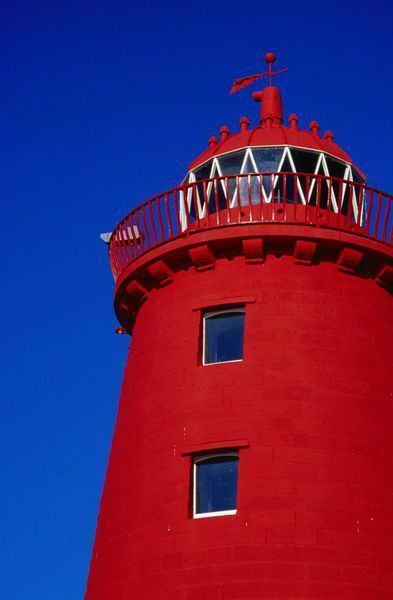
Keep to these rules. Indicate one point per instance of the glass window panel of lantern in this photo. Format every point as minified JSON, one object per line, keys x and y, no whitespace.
{"x":335,"y":168}
{"x":200,"y":192}
{"x":217,"y":195}
{"x":249,"y":185}
{"x":305,"y":162}
{"x":336,"y":171}
{"x":267,"y":159}
{"x":357,"y":177}
{"x":203,"y":172}
{"x":285,"y":186}
{"x":231,"y":164}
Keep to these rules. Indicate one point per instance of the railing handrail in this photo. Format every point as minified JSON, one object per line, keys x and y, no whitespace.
{"x":180,"y":210}
{"x":256,"y":174}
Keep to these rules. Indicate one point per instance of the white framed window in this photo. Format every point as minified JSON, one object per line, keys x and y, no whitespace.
{"x":215,"y":484}
{"x":223,"y":336}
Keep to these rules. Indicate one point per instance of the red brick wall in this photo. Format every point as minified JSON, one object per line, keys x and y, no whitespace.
{"x":313,"y":397}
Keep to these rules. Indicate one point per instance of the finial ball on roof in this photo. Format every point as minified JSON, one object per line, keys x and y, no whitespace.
{"x":314,"y":128}
{"x":293,"y":121}
{"x":244,"y":123}
{"x":224,"y":132}
{"x":270,"y":57}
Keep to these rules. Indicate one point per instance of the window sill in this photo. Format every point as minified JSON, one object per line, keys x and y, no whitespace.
{"x":222,"y":362}
{"x":217,"y":513}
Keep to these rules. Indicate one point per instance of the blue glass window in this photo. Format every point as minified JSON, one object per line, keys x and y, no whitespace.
{"x":223,"y":334}
{"x":215,"y":484}
{"x":267,"y":159}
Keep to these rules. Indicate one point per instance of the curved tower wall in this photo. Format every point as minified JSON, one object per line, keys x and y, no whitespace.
{"x":310,"y":408}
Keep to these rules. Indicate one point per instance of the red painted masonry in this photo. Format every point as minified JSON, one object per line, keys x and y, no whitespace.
{"x":310,"y":408}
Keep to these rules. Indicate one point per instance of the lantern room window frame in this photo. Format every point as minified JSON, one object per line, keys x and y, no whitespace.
{"x":287,"y":155}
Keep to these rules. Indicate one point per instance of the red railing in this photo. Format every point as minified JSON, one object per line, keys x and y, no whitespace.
{"x":301,"y":198}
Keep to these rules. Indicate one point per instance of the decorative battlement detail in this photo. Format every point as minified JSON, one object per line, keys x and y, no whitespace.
{"x":256,"y":244}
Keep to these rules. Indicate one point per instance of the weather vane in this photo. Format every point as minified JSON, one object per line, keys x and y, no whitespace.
{"x":243,"y":82}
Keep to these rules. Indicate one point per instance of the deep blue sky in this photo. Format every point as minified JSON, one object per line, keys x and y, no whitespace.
{"x":104,"y":103}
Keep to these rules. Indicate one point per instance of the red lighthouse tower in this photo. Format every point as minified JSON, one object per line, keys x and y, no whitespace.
{"x":252,"y":455}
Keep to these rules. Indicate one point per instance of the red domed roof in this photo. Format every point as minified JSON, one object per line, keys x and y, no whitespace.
{"x":277,"y":135}
{"x":271,"y":131}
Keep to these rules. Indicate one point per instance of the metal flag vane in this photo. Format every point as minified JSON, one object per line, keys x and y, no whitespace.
{"x":243,"y":82}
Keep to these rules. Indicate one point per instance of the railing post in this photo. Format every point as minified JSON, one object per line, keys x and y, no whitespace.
{"x":378,"y":216}
{"x":176,"y":194}
{"x":284,"y":196}
{"x":216,"y":201}
{"x":160,"y":219}
{"x":261,"y":203}
{"x":390,"y":200}
{"x":141,"y":236}
{"x":228,"y":200}
{"x":128,"y":239}
{"x":207,"y":207}
{"x":386,"y":219}
{"x":194,"y":200}
{"x":168,"y":215}
{"x":318,"y":200}
{"x":295,"y":196}
{"x":184,"y":193}
{"x":249,"y":196}
{"x":134,"y":238}
{"x":237,"y":192}
{"x":360,"y":204}
{"x":350,"y":204}
{"x":307,"y":198}
{"x":329,"y":201}
{"x":153,"y":225}
{"x":369,"y":211}
{"x":123,"y":255}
